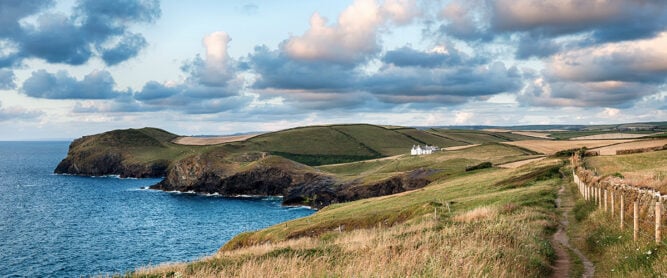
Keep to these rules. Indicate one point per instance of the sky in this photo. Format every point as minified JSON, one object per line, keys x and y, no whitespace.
{"x":79,"y":67}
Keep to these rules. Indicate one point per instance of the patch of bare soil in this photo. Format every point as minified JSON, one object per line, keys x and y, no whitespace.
{"x":519,"y":163}
{"x":204,"y":141}
{"x":561,"y":242}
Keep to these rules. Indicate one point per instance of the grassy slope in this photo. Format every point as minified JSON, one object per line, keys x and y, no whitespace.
{"x":313,"y":145}
{"x":138,"y":145}
{"x":649,"y":163}
{"x":478,"y":137}
{"x":488,"y":222}
{"x":447,"y":163}
{"x":348,"y":143}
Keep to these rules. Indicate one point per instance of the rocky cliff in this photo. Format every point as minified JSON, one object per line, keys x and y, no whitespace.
{"x":137,"y":153}
{"x":277,"y":176}
{"x":229,"y":170}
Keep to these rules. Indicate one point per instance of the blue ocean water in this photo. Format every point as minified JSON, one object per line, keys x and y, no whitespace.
{"x":69,"y":226}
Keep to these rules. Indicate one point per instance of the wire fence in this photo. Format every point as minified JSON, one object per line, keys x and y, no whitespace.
{"x":640,"y":209}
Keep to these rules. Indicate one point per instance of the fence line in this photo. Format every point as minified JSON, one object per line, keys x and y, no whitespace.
{"x":647,"y":205}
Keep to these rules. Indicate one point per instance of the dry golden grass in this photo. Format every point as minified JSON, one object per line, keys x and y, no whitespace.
{"x":501,"y":246}
{"x":551,"y":147}
{"x":456,"y":148}
{"x":648,"y":170}
{"x":611,"y":150}
{"x":477,"y":214}
{"x":520,"y":163}
{"x":468,"y":226}
{"x":607,"y":136}
{"x":204,"y":141}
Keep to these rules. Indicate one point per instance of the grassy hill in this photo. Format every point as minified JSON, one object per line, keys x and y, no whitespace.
{"x":112,"y":152}
{"x":129,"y":152}
{"x":491,"y":222}
{"x":321,"y":145}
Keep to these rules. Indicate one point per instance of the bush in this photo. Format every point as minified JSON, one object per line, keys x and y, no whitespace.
{"x":482,"y":165}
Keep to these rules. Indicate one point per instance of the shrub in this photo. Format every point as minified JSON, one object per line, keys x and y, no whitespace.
{"x":482,"y":165}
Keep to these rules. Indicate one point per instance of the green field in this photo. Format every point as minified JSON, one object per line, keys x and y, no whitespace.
{"x":648,"y":162}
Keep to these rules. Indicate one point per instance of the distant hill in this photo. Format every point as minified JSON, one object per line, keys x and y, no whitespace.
{"x":646,"y":126}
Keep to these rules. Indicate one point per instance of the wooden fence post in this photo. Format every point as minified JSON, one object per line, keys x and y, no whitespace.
{"x":612,"y":203}
{"x":622,"y":210}
{"x":605,"y":200}
{"x":635,"y":221}
{"x":658,"y":221}
{"x":599,"y":197}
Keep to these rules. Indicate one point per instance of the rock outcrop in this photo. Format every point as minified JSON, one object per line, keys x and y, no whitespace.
{"x":115,"y":153}
{"x":277,"y":176}
{"x":226,"y":170}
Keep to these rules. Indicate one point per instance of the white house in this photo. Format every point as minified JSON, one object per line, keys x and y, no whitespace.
{"x":419,"y":150}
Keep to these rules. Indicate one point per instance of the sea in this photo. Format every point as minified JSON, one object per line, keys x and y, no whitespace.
{"x":71,"y":226}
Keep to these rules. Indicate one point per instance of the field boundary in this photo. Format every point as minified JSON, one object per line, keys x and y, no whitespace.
{"x":641,"y":209}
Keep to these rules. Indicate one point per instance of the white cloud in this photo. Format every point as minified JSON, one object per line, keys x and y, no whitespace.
{"x":609,"y":113}
{"x":462,"y":117}
{"x":640,"y":60}
{"x":217,"y":68}
{"x":354,"y":37}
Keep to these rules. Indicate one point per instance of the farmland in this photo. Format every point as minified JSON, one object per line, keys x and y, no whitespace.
{"x":551,"y":147}
{"x":611,"y":150}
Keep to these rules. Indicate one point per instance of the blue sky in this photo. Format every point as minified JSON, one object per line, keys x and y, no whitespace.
{"x":71,"y":68}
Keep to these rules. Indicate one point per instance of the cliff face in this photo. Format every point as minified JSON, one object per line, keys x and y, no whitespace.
{"x":226,"y":170}
{"x":109,"y":163}
{"x":272,"y":176}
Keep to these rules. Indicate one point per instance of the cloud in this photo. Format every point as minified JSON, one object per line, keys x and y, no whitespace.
{"x":407,"y":57}
{"x":614,"y":74}
{"x":536,"y":46}
{"x":454,"y":79}
{"x":7,"y":79}
{"x":537,"y":23}
{"x":609,"y":20}
{"x":211,"y":86}
{"x":617,"y":94}
{"x":355,"y":36}
{"x":250,"y":9}
{"x":95,"y":85}
{"x":127,"y":48}
{"x":278,"y":71}
{"x":350,"y":41}
{"x":13,"y":11}
{"x":462,"y":117}
{"x":400,"y":12}
{"x":466,"y":20}
{"x":632,"y":61}
{"x":75,"y":38}
{"x":217,"y":68}
{"x":15,"y":113}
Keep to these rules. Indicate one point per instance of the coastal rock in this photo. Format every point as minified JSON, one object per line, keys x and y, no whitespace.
{"x":277,"y":176}
{"x":116,"y":152}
